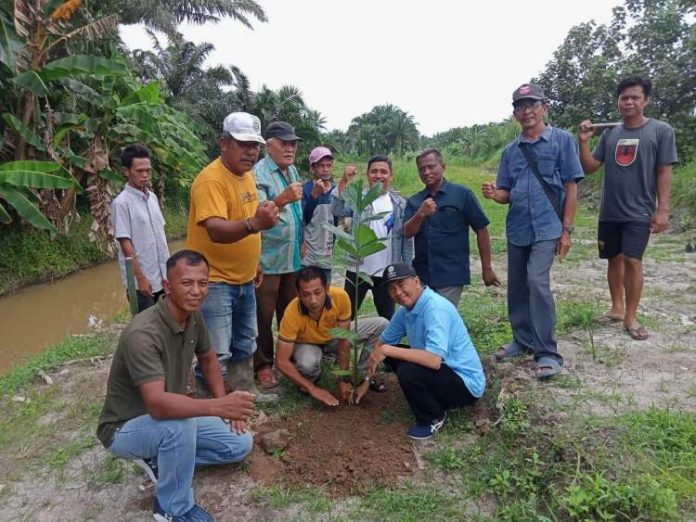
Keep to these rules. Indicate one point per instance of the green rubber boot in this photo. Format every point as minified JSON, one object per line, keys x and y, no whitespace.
{"x":240,"y":377}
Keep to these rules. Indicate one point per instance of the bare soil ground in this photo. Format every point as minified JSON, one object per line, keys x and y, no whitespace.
{"x":60,"y":473}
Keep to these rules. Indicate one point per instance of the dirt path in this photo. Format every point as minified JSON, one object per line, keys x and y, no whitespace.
{"x":605,"y":373}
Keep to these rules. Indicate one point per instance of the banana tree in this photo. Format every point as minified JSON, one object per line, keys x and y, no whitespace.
{"x":18,"y":178}
{"x":351,"y":249}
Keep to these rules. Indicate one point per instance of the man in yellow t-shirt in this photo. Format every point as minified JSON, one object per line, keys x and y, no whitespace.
{"x":225,"y":217}
{"x":304,"y":336}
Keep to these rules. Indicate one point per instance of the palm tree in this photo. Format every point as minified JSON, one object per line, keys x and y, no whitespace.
{"x":166,"y":15}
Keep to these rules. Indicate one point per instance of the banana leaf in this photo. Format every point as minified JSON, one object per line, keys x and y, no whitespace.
{"x":25,"y":207}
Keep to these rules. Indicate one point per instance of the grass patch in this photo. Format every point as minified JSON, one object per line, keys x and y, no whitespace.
{"x":75,"y":347}
{"x":408,"y":504}
{"x":313,"y":499}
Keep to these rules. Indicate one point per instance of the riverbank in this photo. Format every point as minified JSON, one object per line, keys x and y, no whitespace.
{"x":31,"y":256}
{"x":612,"y":437}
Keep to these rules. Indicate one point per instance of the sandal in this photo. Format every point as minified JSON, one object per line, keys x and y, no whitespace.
{"x":510,"y":351}
{"x":547,"y":367}
{"x":608,"y":318}
{"x":637,"y":333}
{"x":266,"y":378}
{"x":377,"y":386}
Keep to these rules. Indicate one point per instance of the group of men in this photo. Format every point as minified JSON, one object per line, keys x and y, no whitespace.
{"x":257,"y":248}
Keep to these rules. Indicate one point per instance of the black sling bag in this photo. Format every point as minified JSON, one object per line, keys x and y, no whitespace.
{"x":531,"y":160}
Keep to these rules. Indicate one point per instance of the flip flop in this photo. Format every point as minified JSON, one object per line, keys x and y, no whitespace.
{"x":638,"y":333}
{"x":550,"y":367}
{"x":608,"y":318}
{"x":510,"y":351}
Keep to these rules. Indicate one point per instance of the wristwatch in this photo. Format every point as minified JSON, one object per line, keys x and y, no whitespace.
{"x":568,"y":228}
{"x":249,"y":227}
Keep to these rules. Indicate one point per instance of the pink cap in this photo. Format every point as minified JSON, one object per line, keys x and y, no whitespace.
{"x":318,"y":153}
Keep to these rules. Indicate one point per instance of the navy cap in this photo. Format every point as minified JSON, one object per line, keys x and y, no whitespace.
{"x":397,"y":271}
{"x":282,"y":130}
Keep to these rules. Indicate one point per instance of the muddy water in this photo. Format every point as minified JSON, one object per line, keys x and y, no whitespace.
{"x":43,"y":315}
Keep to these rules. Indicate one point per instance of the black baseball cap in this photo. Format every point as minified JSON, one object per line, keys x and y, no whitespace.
{"x":528,"y":91}
{"x":397,"y":271}
{"x":282,"y":130}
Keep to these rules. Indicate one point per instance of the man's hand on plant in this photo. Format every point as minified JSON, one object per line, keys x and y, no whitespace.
{"x":324,"y":396}
{"x":361,"y":390}
{"x":346,"y":391}
{"x":376,"y":357}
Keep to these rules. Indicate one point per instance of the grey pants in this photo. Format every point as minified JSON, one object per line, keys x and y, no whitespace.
{"x":452,"y":293}
{"x":307,"y":357}
{"x":531,"y":308}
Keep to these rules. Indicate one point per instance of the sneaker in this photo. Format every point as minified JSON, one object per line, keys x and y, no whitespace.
{"x":149,"y":466}
{"x":195,"y":514}
{"x":425,"y":431}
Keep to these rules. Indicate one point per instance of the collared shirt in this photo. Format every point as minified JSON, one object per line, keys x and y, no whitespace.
{"x":280,"y":245}
{"x":433,"y":324}
{"x":153,"y":347}
{"x":298,"y":327}
{"x":442,"y":243}
{"x":136,"y":215}
{"x":531,"y":217}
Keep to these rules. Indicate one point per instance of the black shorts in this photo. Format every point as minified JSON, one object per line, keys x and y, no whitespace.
{"x":629,"y":238}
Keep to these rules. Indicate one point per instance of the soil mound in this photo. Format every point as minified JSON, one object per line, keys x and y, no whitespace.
{"x":343,"y":450}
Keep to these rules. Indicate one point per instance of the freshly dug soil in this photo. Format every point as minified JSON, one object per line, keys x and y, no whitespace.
{"x":344,"y":450}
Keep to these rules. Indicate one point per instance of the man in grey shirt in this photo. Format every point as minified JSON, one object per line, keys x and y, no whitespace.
{"x":139,"y":227}
{"x":638,"y":156}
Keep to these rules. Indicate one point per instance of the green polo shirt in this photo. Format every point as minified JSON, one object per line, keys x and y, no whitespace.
{"x":153,"y":347}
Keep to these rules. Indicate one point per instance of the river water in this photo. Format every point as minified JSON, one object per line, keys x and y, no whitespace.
{"x":43,"y":315}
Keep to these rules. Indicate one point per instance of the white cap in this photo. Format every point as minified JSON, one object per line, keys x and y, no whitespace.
{"x":243,"y":126}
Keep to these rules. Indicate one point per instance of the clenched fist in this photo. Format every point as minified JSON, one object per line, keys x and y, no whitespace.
{"x":427,"y":208}
{"x":266,"y":216}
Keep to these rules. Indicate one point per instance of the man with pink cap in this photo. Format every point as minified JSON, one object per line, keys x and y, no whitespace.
{"x":317,"y":245}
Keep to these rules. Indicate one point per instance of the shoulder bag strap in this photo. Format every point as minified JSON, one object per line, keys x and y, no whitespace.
{"x":531,"y":160}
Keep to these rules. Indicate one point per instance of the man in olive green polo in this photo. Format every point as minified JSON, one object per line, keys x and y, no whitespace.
{"x":147,"y":416}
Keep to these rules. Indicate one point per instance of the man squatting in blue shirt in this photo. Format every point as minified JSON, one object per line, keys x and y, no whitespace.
{"x":441,"y":369}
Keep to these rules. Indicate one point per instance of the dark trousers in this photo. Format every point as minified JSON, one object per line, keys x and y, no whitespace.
{"x":430,"y":393}
{"x":146,"y":301}
{"x":531,"y":307}
{"x":383,"y":303}
{"x":272,"y":297}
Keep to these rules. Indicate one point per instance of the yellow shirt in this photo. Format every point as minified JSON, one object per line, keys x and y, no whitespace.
{"x":216,"y":192}
{"x":297,"y":327}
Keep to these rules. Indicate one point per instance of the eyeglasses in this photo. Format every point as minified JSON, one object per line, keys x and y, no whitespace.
{"x":520,"y":106}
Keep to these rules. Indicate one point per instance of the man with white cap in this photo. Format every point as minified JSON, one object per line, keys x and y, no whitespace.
{"x":225,"y":218}
{"x":317,"y":246}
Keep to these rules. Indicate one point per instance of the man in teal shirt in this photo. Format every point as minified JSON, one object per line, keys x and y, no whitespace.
{"x":277,"y":180}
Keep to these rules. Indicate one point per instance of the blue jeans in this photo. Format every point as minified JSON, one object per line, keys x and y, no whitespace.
{"x":229,"y":313}
{"x":179,"y":445}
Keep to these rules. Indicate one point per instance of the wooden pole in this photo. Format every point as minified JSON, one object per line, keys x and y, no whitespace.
{"x":130,"y":280}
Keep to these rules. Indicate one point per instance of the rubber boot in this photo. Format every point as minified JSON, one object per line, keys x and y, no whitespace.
{"x":240,"y":376}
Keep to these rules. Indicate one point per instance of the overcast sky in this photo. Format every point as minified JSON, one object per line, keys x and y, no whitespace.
{"x":449,"y":63}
